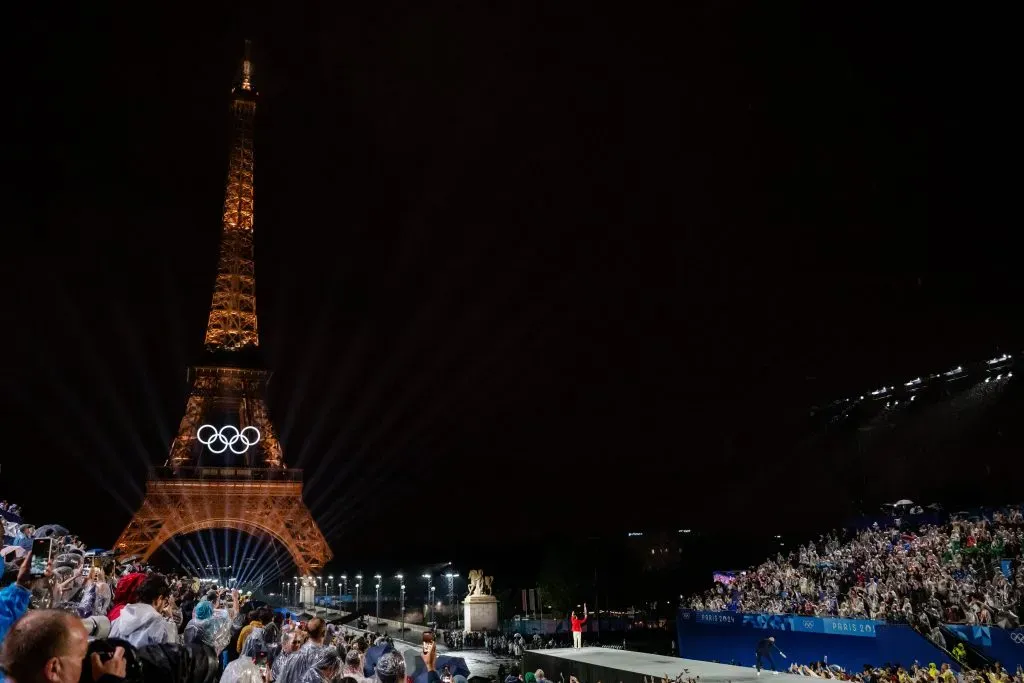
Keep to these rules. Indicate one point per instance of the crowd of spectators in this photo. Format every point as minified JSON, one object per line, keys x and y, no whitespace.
{"x":894,"y":673}
{"x":125,"y":623}
{"x":960,"y":571}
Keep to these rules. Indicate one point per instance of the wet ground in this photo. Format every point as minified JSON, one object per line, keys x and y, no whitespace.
{"x":480,"y":661}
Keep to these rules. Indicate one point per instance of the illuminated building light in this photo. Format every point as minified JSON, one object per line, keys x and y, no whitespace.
{"x":876,"y":392}
{"x":1000,"y":359}
{"x":912,"y":382}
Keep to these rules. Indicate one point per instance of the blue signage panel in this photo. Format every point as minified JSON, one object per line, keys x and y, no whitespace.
{"x":865,"y":628}
{"x":849,"y":627}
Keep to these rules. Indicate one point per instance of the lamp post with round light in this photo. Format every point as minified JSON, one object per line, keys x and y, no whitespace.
{"x":377,"y":577}
{"x":402,"y":598}
{"x":401,"y":594}
{"x":378,"y":602}
{"x":451,"y":576}
{"x":430,"y":593}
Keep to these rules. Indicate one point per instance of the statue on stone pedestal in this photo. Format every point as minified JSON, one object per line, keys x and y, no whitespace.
{"x":478,"y":583}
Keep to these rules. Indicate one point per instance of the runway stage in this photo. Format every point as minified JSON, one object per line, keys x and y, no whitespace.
{"x":605,"y":665}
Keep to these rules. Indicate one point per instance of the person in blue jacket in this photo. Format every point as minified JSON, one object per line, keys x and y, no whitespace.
{"x":14,"y":598}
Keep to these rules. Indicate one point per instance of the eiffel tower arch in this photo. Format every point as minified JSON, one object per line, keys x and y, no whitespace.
{"x":226,"y":467}
{"x":257,"y":502}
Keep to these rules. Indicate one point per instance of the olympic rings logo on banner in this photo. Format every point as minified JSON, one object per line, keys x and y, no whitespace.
{"x":1017,"y":637}
{"x":808,"y":624}
{"x":228,"y":436}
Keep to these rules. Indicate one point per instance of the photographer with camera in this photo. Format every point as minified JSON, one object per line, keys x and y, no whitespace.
{"x":49,"y":646}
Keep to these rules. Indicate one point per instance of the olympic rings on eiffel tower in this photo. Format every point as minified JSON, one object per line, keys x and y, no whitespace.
{"x":220,"y":440}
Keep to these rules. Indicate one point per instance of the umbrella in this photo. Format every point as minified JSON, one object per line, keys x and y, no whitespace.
{"x":372,"y":655}
{"x":18,"y":551}
{"x":904,"y":501}
{"x":97,"y":551}
{"x":49,"y":530}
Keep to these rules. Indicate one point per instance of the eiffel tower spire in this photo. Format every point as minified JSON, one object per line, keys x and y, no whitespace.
{"x":232,"y":323}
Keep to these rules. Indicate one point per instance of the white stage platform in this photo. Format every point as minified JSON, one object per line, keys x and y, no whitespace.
{"x":639,"y":664}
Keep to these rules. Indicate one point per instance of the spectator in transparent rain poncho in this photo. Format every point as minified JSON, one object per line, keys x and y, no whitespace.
{"x":244,"y":669}
{"x":390,"y":668}
{"x":209,"y":628}
{"x":96,"y":598}
{"x":291,"y":641}
{"x":324,"y":668}
{"x":303,"y":660}
{"x":353,"y":665}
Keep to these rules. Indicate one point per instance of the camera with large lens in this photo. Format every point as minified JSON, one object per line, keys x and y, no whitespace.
{"x":105,"y":649}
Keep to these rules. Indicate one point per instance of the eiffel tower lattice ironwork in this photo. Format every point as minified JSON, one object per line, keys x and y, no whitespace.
{"x":242,"y":482}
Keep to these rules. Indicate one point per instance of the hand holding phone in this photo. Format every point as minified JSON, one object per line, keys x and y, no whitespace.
{"x":40,"y":557}
{"x":429,"y":651}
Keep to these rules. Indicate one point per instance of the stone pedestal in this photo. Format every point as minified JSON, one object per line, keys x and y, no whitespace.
{"x":306,"y":592}
{"x":481,"y":613}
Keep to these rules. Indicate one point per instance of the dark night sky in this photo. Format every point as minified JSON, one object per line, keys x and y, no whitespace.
{"x":517,"y":253}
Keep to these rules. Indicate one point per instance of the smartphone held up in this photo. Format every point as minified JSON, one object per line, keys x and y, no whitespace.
{"x":41,"y":550}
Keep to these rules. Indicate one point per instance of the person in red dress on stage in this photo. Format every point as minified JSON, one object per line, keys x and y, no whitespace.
{"x":577,"y":627}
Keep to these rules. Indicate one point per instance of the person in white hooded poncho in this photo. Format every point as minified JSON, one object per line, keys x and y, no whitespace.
{"x":143,"y":623}
{"x":244,"y":669}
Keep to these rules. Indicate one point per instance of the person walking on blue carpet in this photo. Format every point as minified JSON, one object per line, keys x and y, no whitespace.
{"x":764,"y":649}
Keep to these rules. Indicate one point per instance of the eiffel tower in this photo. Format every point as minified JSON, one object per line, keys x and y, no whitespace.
{"x":226,"y":469}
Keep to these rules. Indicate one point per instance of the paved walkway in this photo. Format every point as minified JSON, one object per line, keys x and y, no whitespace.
{"x":480,"y":661}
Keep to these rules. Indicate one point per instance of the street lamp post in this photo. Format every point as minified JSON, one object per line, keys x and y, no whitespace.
{"x":401,"y":592}
{"x":451,"y":592}
{"x":430,"y":593}
{"x":344,"y":582}
{"x":377,"y":576}
{"x":402,"y":598}
{"x":359,"y":584}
